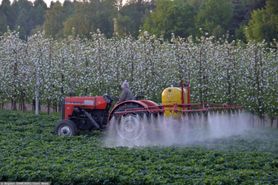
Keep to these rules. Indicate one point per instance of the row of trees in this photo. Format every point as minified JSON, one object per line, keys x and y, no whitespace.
{"x":240,"y":19}
{"x":23,"y":16}
{"x":47,"y":70}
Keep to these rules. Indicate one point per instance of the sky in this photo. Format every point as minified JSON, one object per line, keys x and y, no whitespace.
{"x":49,"y":1}
{"x":46,"y":1}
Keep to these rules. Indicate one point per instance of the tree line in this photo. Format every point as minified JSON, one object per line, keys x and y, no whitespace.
{"x":238,"y":19}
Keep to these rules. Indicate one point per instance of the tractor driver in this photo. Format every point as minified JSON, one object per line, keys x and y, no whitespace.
{"x":126,"y":93}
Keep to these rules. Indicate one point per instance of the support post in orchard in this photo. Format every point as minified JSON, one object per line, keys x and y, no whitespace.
{"x":37,"y":89}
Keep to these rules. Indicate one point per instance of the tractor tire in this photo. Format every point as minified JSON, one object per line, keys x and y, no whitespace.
{"x":66,"y":128}
{"x":130,"y":127}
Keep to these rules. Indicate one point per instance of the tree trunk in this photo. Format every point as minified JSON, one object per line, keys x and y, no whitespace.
{"x":200,"y":78}
{"x":13,"y":104}
{"x":22,"y":106}
{"x":54,"y":106}
{"x":33,"y":104}
{"x":37,"y":90}
{"x":37,"y":101}
{"x":48,"y":106}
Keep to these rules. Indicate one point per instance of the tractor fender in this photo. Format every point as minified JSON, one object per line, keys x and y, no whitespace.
{"x":153,"y":106}
{"x":130,"y":103}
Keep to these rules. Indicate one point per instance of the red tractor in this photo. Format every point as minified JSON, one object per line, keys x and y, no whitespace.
{"x":95,"y":112}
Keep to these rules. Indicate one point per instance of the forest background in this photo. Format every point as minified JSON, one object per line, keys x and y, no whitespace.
{"x":237,"y":19}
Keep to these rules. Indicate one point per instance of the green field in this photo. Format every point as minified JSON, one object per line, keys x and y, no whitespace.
{"x":29,"y":151}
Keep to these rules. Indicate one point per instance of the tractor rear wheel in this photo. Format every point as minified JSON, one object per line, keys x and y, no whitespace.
{"x":66,"y":128}
{"x":130,"y":126}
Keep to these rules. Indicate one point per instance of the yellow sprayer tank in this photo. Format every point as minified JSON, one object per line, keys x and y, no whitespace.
{"x":173,"y":96}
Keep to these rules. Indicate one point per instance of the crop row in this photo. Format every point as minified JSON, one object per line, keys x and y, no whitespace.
{"x":31,"y":152}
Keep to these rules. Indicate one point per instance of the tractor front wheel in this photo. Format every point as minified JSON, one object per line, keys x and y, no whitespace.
{"x":66,"y":128}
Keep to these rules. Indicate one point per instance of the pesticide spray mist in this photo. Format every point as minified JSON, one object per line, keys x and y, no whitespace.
{"x":141,"y":131}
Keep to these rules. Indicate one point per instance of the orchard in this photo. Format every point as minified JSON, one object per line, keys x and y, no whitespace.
{"x":44,"y":70}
